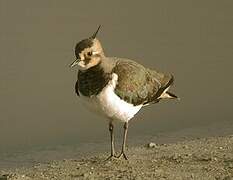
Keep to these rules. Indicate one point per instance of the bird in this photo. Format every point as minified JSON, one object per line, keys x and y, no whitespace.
{"x":116,"y":88}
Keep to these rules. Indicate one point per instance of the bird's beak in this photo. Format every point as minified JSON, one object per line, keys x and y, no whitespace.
{"x":75,"y":63}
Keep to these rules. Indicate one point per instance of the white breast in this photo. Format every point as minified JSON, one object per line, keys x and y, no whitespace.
{"x":109,"y":104}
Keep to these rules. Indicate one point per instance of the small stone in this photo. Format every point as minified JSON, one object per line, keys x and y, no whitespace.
{"x":151,"y":145}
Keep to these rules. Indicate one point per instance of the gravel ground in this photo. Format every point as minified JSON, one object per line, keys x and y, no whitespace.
{"x":206,"y":158}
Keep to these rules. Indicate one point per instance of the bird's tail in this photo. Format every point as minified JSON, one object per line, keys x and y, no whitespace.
{"x":171,"y":95}
{"x":168,"y":95}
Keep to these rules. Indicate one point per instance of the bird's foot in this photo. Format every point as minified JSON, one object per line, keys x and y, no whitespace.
{"x":111,"y":157}
{"x":122,"y":155}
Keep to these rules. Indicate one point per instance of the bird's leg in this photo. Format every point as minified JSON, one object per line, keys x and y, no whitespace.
{"x":112,"y":141}
{"x":124,"y":141}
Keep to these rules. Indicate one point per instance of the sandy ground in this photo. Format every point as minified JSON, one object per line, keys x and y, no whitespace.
{"x":206,"y":158}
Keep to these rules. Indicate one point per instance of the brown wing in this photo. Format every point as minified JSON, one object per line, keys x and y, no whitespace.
{"x":138,"y":85}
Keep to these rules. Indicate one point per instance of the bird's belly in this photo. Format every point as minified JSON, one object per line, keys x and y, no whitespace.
{"x":107,"y":103}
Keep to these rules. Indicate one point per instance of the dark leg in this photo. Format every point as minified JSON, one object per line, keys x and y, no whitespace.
{"x":112,"y":141}
{"x":124,"y":141}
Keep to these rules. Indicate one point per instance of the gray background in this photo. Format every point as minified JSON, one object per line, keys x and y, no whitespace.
{"x":38,"y":106}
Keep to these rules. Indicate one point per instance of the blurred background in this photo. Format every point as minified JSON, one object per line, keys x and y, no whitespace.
{"x":39,"y":110}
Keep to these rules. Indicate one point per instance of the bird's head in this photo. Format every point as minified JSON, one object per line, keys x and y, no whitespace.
{"x":88,"y":52}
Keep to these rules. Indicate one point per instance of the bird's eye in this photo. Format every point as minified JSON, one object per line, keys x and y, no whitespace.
{"x":89,"y":53}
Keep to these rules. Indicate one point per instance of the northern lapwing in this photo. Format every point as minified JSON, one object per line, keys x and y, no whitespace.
{"x":116,"y":88}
